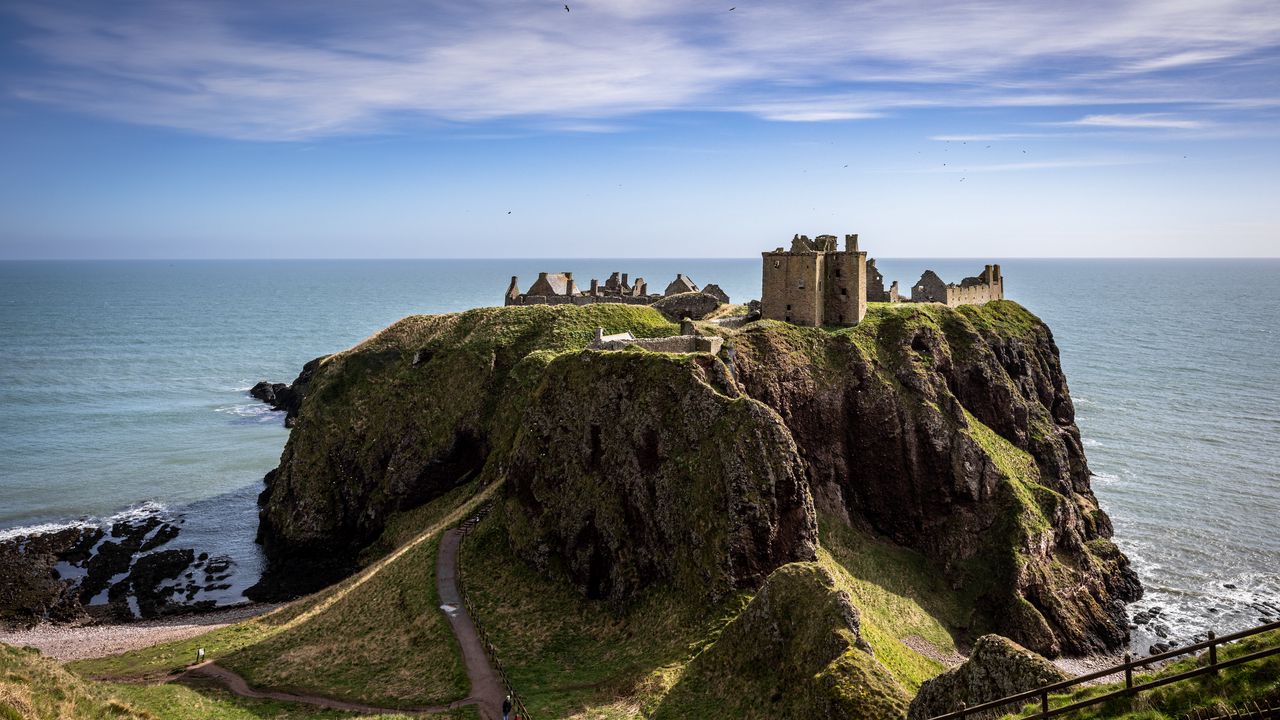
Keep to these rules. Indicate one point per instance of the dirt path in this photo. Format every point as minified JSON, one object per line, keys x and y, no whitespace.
{"x":486,"y":688}
{"x":237,"y":685}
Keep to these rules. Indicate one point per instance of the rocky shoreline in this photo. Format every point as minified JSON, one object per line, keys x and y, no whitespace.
{"x":124,"y":569}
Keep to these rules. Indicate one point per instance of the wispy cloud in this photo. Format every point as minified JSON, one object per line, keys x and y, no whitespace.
{"x":301,"y":70}
{"x":1144,"y":120}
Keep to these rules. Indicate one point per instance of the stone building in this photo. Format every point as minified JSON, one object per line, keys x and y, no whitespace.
{"x":815,"y":283}
{"x":561,"y":289}
{"x":987,"y":286}
{"x":875,"y":285}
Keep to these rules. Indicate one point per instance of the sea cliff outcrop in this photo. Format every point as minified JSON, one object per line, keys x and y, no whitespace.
{"x":952,"y":431}
{"x":949,"y":431}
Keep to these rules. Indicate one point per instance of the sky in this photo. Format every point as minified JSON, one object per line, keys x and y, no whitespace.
{"x":638,"y":128}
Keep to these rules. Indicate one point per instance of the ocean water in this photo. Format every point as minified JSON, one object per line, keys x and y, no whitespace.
{"x":124,"y":383}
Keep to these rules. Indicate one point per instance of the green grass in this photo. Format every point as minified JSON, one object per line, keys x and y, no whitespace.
{"x":900,"y":596}
{"x":1211,"y":694}
{"x":377,"y":637}
{"x":572,"y":657}
{"x":35,"y":688}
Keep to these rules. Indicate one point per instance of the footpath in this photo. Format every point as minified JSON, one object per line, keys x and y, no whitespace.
{"x":487,"y":691}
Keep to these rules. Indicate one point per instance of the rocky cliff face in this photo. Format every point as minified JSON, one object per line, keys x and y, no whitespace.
{"x":631,"y":468}
{"x":952,"y":431}
{"x":400,"y":419}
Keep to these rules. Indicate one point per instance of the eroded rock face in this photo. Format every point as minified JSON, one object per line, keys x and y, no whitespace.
{"x":795,"y":651}
{"x":634,"y":468}
{"x":997,"y":668}
{"x":952,"y":431}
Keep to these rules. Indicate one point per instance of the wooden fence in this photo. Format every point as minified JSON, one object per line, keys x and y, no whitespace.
{"x":1212,"y":666}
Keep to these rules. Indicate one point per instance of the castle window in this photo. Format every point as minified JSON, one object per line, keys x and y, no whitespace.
{"x":777,"y":263}
{"x":837,"y":272}
{"x":801,"y":284}
{"x":788,"y":308}
{"x":844,"y":291}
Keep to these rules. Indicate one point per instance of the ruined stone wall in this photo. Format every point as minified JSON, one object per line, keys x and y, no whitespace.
{"x":584,"y":299}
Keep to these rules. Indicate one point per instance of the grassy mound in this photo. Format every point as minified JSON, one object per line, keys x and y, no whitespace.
{"x":794,"y":652}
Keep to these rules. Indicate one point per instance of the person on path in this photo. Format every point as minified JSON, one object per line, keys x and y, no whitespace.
{"x":506,"y":708}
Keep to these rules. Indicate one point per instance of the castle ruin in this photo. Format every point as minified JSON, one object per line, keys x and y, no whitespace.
{"x":987,"y":286}
{"x":815,"y":283}
{"x":561,"y":289}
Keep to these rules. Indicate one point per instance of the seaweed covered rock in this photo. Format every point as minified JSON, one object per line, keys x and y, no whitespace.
{"x":795,"y":651}
{"x":400,"y":419}
{"x":952,"y":431}
{"x":997,"y":668}
{"x":632,"y":468}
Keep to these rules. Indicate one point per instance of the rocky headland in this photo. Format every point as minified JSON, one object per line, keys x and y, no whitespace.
{"x":950,"y":432}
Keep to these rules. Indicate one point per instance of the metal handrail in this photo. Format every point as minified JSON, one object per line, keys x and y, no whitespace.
{"x":1042,"y":693}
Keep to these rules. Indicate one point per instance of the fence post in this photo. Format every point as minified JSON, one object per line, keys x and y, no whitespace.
{"x":1213,"y":652}
{"x":1128,"y":672}
{"x":1044,"y":703}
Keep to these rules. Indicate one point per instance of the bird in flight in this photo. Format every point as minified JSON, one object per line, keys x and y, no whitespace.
{"x":566,"y":8}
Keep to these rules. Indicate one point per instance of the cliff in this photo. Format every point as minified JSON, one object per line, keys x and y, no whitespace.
{"x":946,"y":431}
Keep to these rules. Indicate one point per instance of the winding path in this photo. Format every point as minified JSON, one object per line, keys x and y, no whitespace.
{"x":239,"y":686}
{"x":486,"y":689}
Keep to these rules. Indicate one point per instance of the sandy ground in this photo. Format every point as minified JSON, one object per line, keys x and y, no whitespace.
{"x":65,"y":642}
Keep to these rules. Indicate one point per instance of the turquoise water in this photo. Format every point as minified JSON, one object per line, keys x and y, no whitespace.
{"x":124,"y":382}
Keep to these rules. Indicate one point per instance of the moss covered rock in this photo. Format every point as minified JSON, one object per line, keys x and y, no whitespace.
{"x":402,"y":418}
{"x":634,"y":467}
{"x":951,"y":431}
{"x":997,"y":668}
{"x":795,"y":651}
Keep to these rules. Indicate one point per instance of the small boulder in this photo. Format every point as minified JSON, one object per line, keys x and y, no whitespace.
{"x":998,"y":667}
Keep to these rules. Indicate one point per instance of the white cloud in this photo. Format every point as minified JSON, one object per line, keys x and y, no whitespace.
{"x":1144,"y":120}
{"x":307,"y":69}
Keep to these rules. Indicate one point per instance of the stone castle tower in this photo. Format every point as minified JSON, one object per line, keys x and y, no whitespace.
{"x":815,"y":283}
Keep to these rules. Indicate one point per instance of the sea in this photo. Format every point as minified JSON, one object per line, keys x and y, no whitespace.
{"x":123,"y":393}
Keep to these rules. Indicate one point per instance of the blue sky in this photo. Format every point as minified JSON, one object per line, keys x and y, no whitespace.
{"x":638,"y":128}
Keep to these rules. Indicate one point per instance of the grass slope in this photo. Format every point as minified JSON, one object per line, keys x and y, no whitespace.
{"x":377,"y":637}
{"x":35,"y":688}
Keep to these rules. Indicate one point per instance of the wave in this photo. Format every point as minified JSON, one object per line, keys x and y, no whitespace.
{"x":250,"y":412}
{"x":131,"y":514}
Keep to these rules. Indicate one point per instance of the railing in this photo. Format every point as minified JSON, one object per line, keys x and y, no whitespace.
{"x":1213,"y":666}
{"x":518,"y":708}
